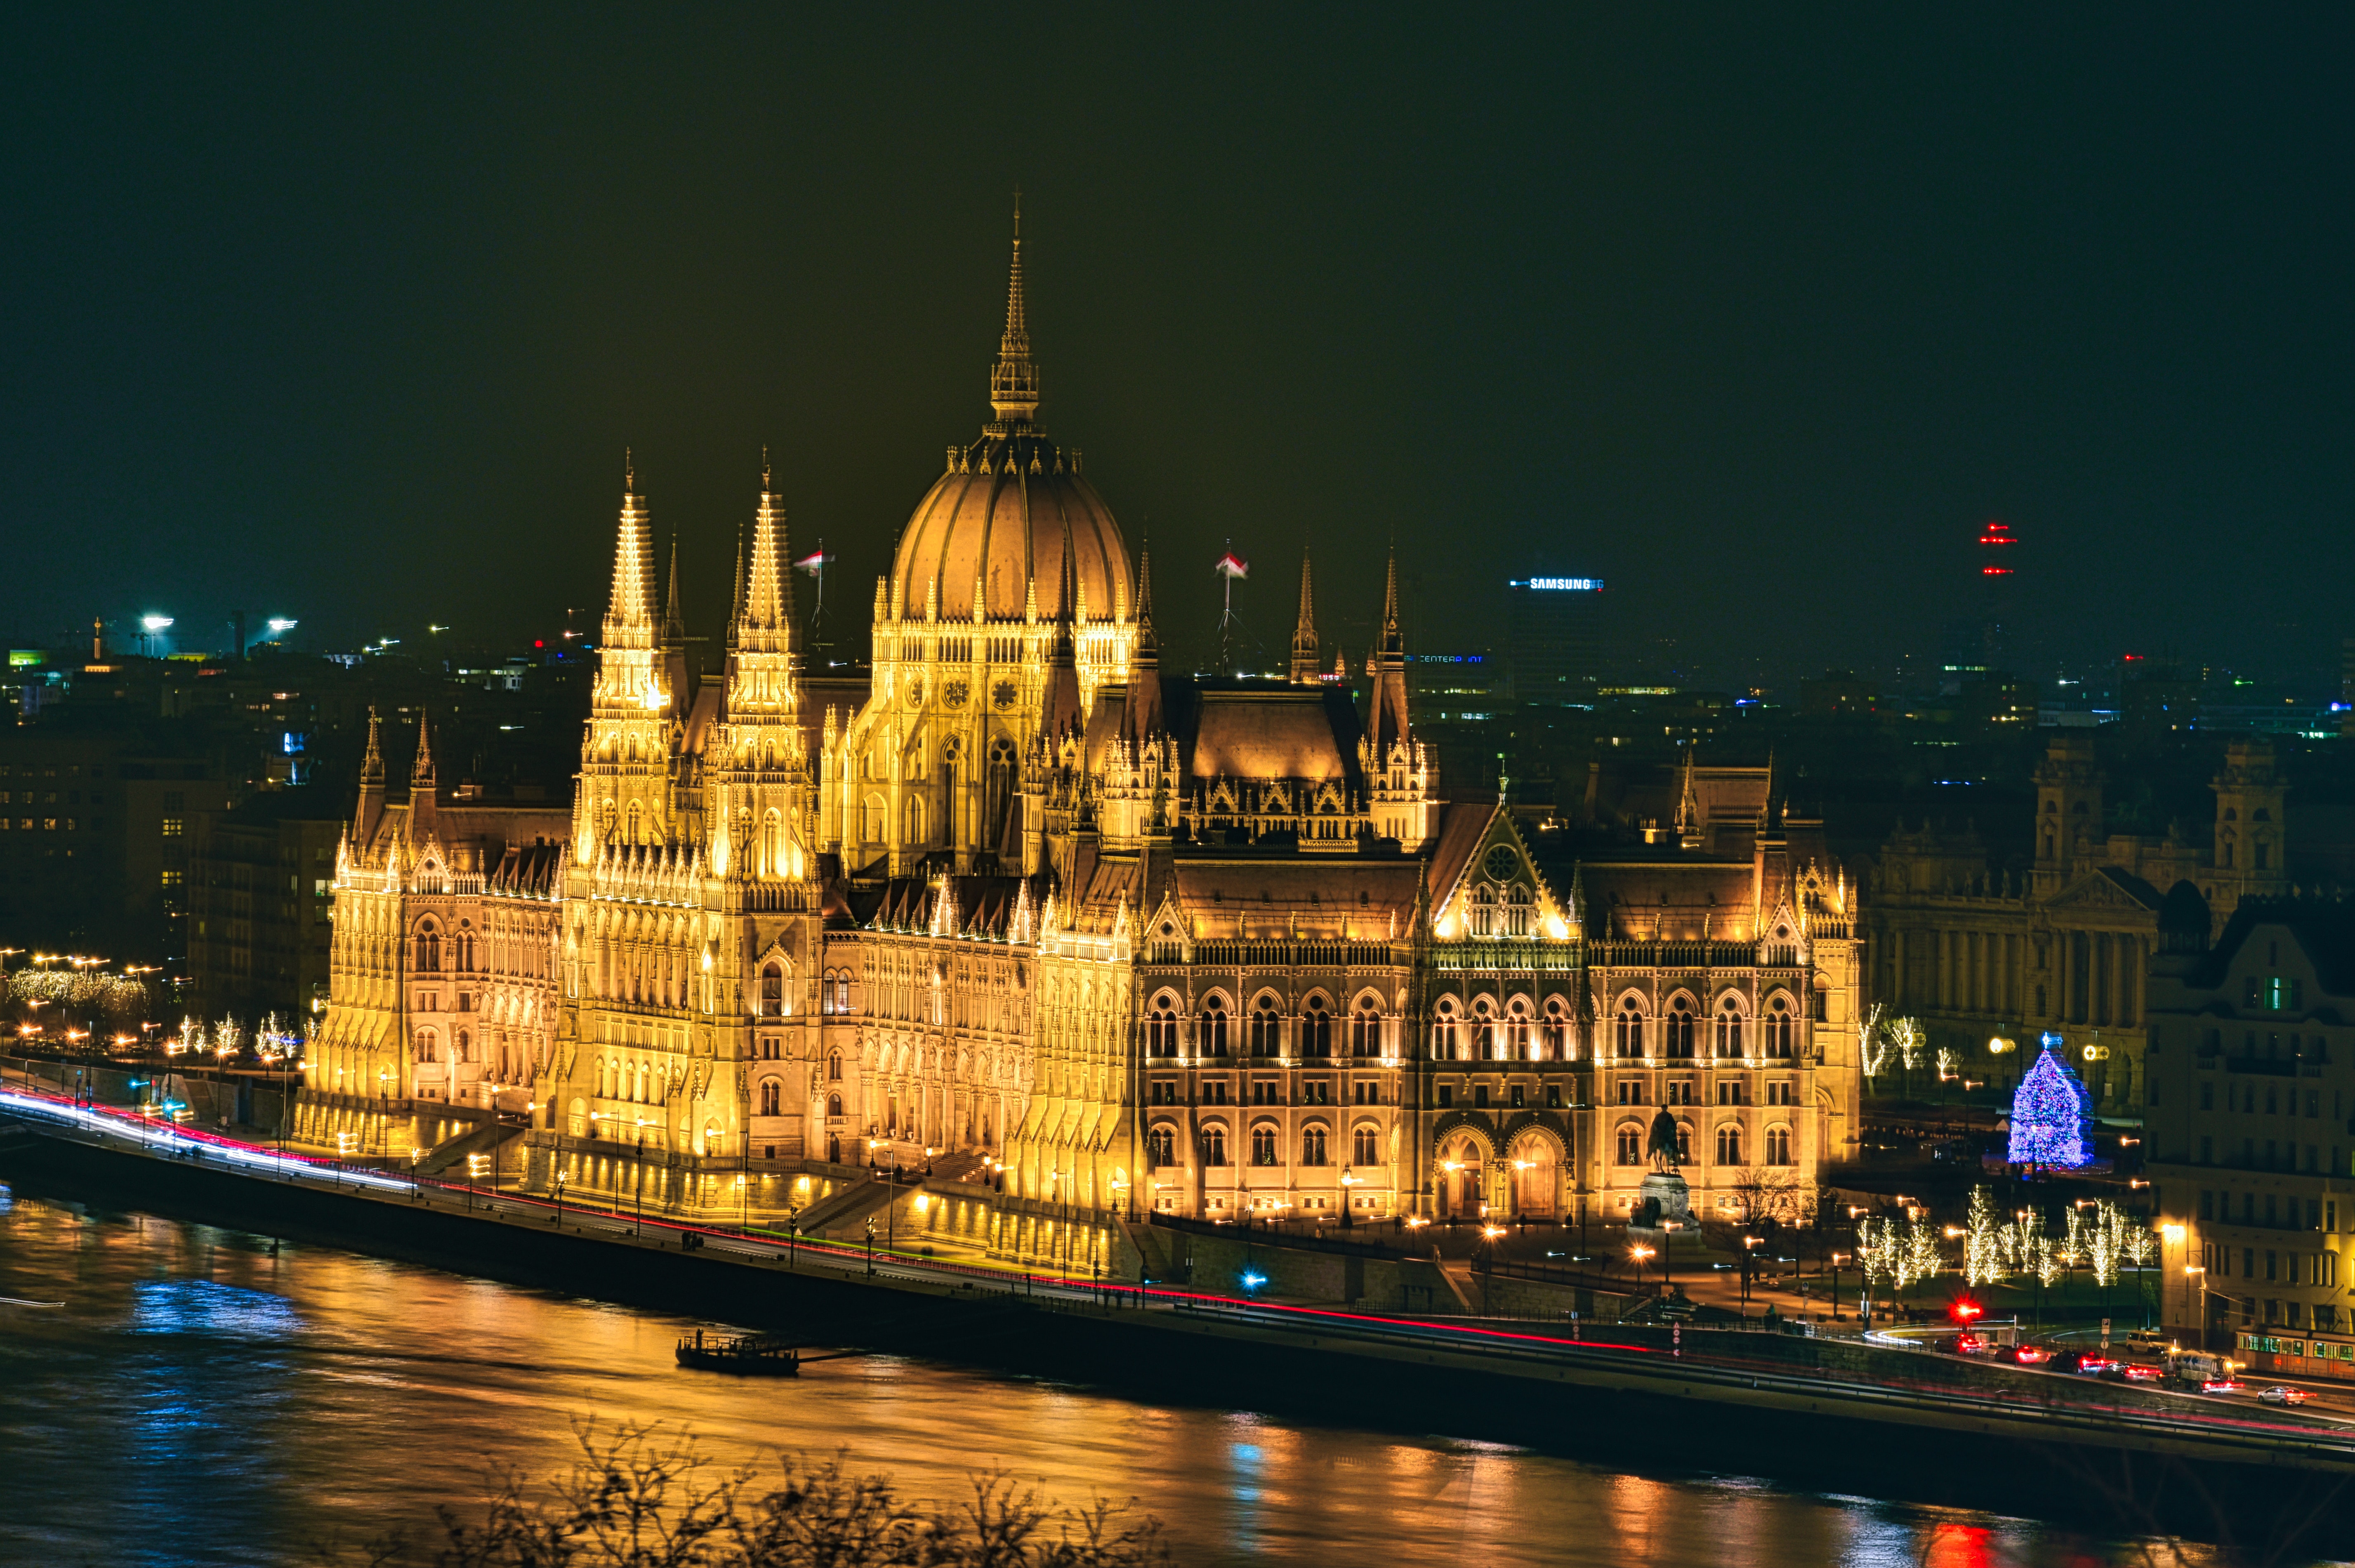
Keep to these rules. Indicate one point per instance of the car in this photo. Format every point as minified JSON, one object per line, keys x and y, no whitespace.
{"x":2281,"y":1395}
{"x":2092,"y":1364}
{"x":2024,"y":1355}
{"x":2223,"y":1385}
{"x":2137,"y":1372}
{"x":1969,"y":1345}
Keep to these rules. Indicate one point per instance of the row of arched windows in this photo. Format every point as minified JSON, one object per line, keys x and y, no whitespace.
{"x":428,"y":948}
{"x":1266,"y":1145}
{"x":1264,"y":1029}
{"x":1680,"y":1033}
{"x":1514,"y":1036}
{"x":1630,"y":1142}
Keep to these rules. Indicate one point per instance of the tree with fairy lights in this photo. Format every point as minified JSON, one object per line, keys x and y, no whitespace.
{"x":2049,"y":1114}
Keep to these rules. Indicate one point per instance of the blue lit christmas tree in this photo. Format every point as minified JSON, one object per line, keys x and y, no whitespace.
{"x":2050,"y":1113}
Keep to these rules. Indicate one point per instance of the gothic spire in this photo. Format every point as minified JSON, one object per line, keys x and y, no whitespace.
{"x":1304,"y":636}
{"x":674,"y":626}
{"x":372,"y":765}
{"x":1014,"y":382}
{"x":629,"y":617}
{"x":768,"y":595}
{"x":421,"y":772}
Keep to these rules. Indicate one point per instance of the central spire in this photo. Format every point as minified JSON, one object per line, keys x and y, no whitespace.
{"x":1014,"y":381}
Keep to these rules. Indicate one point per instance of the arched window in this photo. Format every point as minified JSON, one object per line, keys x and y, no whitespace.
{"x":1266,"y":1029}
{"x":1263,"y":1149}
{"x":912,"y":819}
{"x":1779,"y":1146}
{"x":428,"y":949}
{"x":1366,"y":1146}
{"x":769,"y":1096}
{"x":1684,"y":1144}
{"x":462,"y":1042}
{"x":636,"y":813}
{"x":1161,"y":1028}
{"x":1317,"y":1029}
{"x":870,"y":820}
{"x":1629,"y":1029}
{"x":1214,"y":1146}
{"x":1312,"y":1145}
{"x":1680,"y":1029}
{"x":1729,"y":1027}
{"x":465,"y":945}
{"x":1630,"y":1145}
{"x":1160,"y":1147}
{"x":1365,"y":1030}
{"x":1519,"y":909}
{"x":1729,"y":1145}
{"x":1484,"y":1032}
{"x":1442,"y":1031}
{"x":425,"y":1045}
{"x":1516,"y":1032}
{"x":1778,"y":1028}
{"x":1483,"y":911}
{"x":773,"y":990}
{"x":1557,"y":1031}
{"x":1214,"y":1028}
{"x":833,"y":1105}
{"x":834,"y":1067}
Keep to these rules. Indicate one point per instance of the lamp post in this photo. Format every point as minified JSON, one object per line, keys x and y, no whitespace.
{"x":640,"y":1229}
{"x":1638,"y":1252}
{"x":1348,"y":1180}
{"x":1749,"y":1261}
{"x":1835,"y":1259}
{"x":559,"y":1184}
{"x":2172,"y":1233}
{"x":2192,"y":1291}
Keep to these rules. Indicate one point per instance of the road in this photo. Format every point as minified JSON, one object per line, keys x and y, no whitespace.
{"x":2089,"y":1409}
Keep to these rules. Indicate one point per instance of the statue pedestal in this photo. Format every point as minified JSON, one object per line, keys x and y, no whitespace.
{"x":1663,"y":1197}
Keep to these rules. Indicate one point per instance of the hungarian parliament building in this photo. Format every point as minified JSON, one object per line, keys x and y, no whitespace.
{"x":1088,"y":939}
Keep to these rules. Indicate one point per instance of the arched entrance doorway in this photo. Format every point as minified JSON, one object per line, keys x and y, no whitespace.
{"x":1536,"y":1166}
{"x":1463,"y":1165}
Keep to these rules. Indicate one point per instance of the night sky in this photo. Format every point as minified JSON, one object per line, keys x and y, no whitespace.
{"x":350,"y":319}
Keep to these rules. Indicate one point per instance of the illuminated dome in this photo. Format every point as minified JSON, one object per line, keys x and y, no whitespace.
{"x":1000,"y":513}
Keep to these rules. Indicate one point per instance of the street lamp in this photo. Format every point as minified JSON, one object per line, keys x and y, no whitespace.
{"x":641,"y":1227}
{"x":1639,"y":1252}
{"x":1835,"y":1259}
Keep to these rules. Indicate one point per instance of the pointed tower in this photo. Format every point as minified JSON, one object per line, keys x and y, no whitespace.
{"x":1063,"y":710}
{"x":424,"y":788}
{"x":680,"y":677}
{"x":1014,"y":381}
{"x":624,"y":794}
{"x":1386,"y":720}
{"x":1304,"y":661}
{"x":1142,"y":719}
{"x":372,"y":806}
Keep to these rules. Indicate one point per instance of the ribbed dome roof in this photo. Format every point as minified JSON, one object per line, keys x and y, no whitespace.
{"x":1000,"y":514}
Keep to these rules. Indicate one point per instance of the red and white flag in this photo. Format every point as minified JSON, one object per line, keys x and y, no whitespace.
{"x":1233,"y":566}
{"x":814,"y":562}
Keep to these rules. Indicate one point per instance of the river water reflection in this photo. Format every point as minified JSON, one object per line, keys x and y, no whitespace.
{"x":200,"y":1400}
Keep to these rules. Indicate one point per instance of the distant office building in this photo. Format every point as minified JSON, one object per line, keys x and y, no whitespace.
{"x":1456,"y":685}
{"x":261,"y":886}
{"x":2247,"y":1142}
{"x":1556,"y":637}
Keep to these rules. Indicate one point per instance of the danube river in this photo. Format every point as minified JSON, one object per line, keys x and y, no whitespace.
{"x":201,"y":1398}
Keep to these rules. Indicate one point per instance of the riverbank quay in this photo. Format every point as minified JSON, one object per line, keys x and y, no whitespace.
{"x":1811,"y":1413}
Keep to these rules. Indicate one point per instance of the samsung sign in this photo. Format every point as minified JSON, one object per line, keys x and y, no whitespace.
{"x":1561,"y":585}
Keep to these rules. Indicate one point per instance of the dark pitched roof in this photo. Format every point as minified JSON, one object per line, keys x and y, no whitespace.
{"x":2324,"y":930}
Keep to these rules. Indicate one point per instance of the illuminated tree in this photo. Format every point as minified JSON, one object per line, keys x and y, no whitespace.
{"x":1872,"y":1044}
{"x":2048,"y":1114}
{"x":1982,"y":1241}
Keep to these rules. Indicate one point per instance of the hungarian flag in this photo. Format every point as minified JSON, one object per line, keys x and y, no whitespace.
{"x":1233,"y":566}
{"x":814,"y":562}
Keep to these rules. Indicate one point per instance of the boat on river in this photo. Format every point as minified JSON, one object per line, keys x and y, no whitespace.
{"x":755,"y":1355}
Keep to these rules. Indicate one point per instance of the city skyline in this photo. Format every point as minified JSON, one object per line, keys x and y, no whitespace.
{"x":1748,"y":317}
